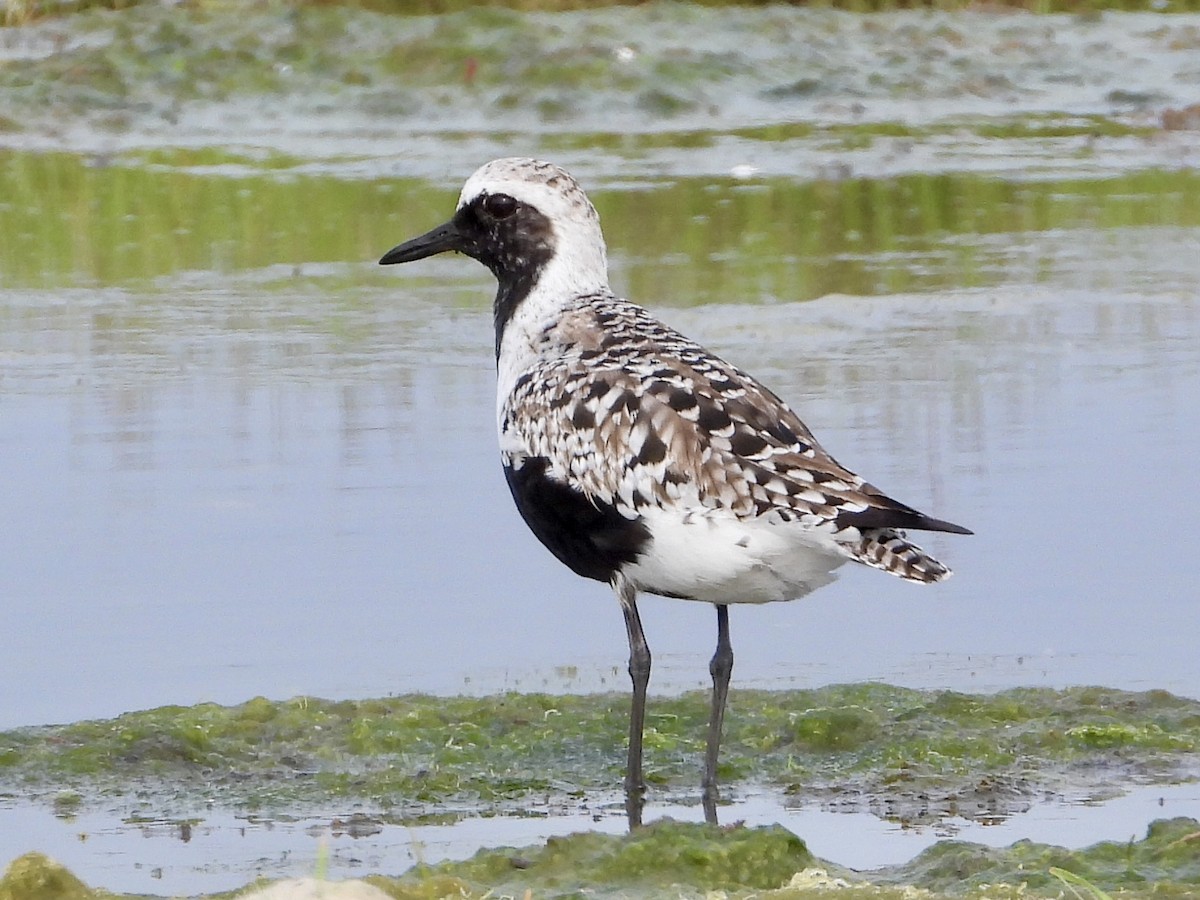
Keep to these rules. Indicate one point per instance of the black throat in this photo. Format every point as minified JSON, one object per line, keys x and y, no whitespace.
{"x":510,"y":294}
{"x":515,"y":248}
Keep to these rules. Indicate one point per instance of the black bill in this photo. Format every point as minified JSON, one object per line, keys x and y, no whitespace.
{"x":439,"y":240}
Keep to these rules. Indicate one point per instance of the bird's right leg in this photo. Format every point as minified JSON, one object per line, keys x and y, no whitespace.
{"x":721,"y":669}
{"x":639,"y":672}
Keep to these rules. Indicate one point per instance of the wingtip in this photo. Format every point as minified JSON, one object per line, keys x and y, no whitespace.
{"x":928,"y":523}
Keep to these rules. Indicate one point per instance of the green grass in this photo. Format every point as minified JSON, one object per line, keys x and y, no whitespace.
{"x":1080,"y":887}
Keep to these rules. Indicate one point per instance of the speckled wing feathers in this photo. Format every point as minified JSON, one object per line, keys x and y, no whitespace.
{"x":633,"y":414}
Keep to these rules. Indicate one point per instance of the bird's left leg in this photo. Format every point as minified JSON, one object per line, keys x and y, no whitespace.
{"x":720,"y":668}
{"x":639,"y":673}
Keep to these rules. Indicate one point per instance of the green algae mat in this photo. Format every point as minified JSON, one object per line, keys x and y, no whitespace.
{"x":921,"y":755}
{"x":945,"y":752}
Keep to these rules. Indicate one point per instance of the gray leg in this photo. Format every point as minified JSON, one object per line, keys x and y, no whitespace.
{"x":639,"y":672}
{"x":720,"y":668}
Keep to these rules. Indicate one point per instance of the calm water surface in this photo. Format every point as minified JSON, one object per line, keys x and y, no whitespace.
{"x":281,"y":479}
{"x":224,"y":851}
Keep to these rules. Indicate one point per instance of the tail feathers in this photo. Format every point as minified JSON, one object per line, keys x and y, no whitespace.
{"x":891,"y":551}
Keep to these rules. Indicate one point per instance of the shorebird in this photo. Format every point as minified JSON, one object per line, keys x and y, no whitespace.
{"x":640,"y":459}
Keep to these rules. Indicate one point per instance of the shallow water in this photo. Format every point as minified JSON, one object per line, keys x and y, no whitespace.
{"x":214,"y":851}
{"x":199,"y":459}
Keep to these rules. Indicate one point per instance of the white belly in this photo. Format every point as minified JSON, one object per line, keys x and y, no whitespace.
{"x":715,"y":557}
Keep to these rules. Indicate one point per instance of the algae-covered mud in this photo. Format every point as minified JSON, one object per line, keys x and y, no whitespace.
{"x":908,"y":755}
{"x":400,"y":769}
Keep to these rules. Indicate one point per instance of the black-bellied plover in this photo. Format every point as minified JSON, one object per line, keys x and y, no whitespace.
{"x":639,"y":458}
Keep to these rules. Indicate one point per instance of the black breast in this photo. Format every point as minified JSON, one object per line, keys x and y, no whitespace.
{"x":591,"y":538}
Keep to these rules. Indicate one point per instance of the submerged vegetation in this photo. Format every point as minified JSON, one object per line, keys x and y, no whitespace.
{"x":153,"y":214}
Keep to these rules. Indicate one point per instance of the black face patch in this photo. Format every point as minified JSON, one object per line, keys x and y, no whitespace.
{"x":514,"y":241}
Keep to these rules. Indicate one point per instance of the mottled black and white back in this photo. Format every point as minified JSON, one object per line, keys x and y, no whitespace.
{"x":636,"y":456}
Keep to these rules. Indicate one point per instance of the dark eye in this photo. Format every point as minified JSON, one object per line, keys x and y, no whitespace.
{"x":499,"y":206}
